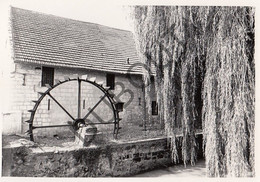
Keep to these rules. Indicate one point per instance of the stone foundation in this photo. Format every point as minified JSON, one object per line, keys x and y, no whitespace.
{"x":121,"y":159}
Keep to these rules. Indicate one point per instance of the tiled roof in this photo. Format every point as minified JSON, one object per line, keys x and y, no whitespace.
{"x":51,"y":40}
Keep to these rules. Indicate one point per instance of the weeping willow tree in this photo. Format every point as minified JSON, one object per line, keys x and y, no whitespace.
{"x":202,"y":58}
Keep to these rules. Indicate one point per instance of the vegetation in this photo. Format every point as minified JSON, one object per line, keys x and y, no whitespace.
{"x":202,"y":58}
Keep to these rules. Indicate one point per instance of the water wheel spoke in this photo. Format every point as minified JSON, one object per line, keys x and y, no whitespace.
{"x":91,"y":110}
{"x":79,"y":98}
{"x":61,"y":107}
{"x":51,"y":126}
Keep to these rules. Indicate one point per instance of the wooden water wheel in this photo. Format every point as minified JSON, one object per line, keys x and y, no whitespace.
{"x":78,"y":121}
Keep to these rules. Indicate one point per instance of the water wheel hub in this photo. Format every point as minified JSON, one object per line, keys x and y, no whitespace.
{"x":78,"y":123}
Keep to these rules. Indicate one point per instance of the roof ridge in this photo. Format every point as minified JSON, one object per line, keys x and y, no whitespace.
{"x":56,"y":16}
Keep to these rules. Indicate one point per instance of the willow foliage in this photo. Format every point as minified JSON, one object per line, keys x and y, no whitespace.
{"x":203,"y":55}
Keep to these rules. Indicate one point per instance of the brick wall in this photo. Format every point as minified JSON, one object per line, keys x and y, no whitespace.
{"x":26,"y":83}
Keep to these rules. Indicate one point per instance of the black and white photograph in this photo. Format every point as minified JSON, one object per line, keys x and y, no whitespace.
{"x":139,"y":89}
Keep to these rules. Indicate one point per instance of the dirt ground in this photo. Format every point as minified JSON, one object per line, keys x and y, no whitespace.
{"x":59,"y":140}
{"x":132,"y":133}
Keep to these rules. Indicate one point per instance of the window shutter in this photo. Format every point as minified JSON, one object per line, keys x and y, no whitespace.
{"x":111,"y":81}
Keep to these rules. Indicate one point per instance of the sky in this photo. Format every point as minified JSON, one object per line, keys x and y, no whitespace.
{"x":109,"y":13}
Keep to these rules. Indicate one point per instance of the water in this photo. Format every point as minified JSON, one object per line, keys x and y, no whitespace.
{"x":199,"y":170}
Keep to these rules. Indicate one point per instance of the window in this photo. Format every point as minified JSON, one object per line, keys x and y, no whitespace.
{"x":154,"y":108}
{"x":111,"y":81}
{"x":47,"y":76}
{"x":152,"y":79}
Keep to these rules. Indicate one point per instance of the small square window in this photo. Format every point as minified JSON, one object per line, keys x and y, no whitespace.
{"x":154,"y":108}
{"x":111,"y":81}
{"x":47,"y":76}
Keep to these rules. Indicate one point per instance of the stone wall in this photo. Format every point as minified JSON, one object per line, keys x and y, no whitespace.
{"x":26,"y":83}
{"x":123,"y":159}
